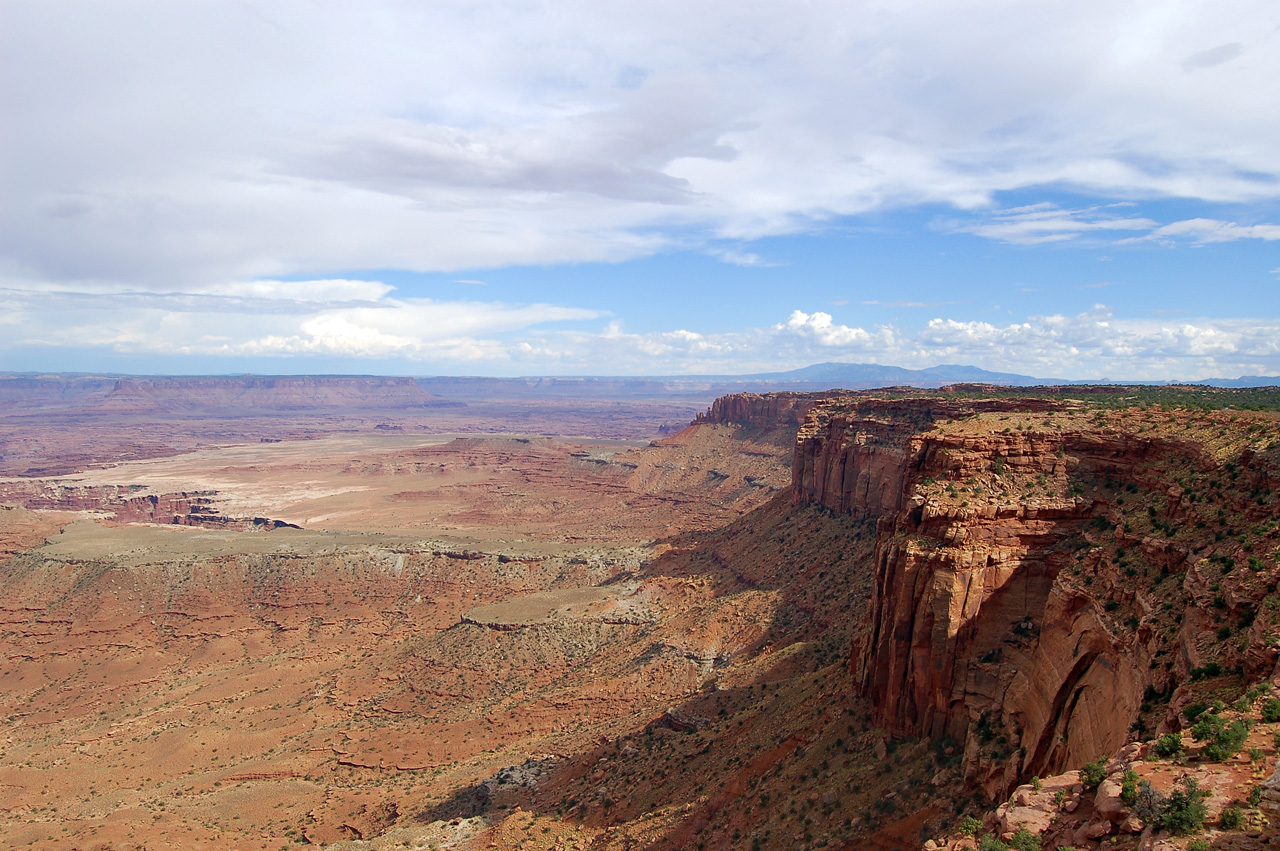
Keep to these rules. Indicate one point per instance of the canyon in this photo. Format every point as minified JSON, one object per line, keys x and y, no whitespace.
{"x":836,"y":619}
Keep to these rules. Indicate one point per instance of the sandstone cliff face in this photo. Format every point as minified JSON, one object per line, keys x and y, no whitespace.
{"x":756,"y":410}
{"x":852,"y":456}
{"x":126,"y":504}
{"x":1021,"y":606}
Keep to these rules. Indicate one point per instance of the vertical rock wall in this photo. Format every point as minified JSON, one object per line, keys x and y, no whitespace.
{"x":995,"y":620}
{"x":760,"y":410}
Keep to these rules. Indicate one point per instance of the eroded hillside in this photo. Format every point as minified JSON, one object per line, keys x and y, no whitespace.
{"x":712,"y":641}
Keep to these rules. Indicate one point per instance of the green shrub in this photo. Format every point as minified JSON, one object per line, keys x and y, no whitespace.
{"x":1198,"y":845}
{"x":1222,"y":740}
{"x":1168,"y":746}
{"x":1094,"y":773}
{"x":1184,"y":810}
{"x":970,"y":826}
{"x":1025,"y":840}
{"x":1129,"y":788}
{"x":1192,"y":711}
{"x":989,"y":842}
{"x":1271,"y":710}
{"x":1231,"y":818}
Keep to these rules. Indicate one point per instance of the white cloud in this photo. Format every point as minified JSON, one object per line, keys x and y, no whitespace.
{"x":1213,"y":230}
{"x":1094,"y":344}
{"x":741,"y":258}
{"x":428,"y":336}
{"x":1046,"y":222}
{"x":303,"y":291}
{"x":179,"y":146}
{"x":271,"y":318}
{"x":820,"y":328}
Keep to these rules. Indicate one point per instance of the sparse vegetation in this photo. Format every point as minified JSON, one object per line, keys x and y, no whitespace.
{"x":1093,"y":773}
{"x":1223,"y":739}
{"x":1168,"y":746}
{"x":1184,"y":811}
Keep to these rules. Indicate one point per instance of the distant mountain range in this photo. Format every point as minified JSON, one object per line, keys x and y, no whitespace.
{"x":244,"y":394}
{"x":819,"y":376}
{"x":846,"y":375}
{"x":1242,"y":381}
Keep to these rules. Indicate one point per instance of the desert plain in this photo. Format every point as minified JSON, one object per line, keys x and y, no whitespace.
{"x":328,"y":634}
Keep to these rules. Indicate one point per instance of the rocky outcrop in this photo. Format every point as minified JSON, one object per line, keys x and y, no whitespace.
{"x":125,"y":504}
{"x":1020,"y":606}
{"x":973,"y":638}
{"x":760,"y":410}
{"x":852,"y":453}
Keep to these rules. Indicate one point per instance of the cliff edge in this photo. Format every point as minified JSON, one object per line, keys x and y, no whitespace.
{"x":1050,"y":576}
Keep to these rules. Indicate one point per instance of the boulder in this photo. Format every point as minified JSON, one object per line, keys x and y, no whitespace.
{"x":1090,"y":831}
{"x":1034,"y":819}
{"x":1107,"y":801}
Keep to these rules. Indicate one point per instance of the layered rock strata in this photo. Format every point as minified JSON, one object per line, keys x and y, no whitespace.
{"x":1021,"y":608}
{"x":760,"y":410}
{"x":130,"y":504}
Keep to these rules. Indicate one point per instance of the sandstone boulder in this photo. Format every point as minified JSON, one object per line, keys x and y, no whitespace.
{"x":1034,"y":819}
{"x":1270,"y":802}
{"x":1107,"y":801}
{"x":1091,"y":831}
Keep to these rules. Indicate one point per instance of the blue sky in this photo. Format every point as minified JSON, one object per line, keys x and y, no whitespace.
{"x":1065,"y":189}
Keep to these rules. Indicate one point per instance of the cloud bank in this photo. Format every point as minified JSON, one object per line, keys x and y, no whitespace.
{"x":286,"y":324}
{"x":172,"y":146}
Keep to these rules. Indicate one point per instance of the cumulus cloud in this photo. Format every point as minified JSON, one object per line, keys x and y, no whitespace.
{"x":820,"y":328}
{"x":429,"y":336}
{"x":1093,"y":344}
{"x":357,"y":319}
{"x":175,"y":146}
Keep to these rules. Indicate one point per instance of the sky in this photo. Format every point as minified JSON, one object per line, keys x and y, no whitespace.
{"x":1071,"y":189}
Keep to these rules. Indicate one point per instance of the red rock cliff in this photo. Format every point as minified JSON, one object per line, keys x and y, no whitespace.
{"x":856,"y":455}
{"x":760,"y":410}
{"x":1021,"y":607}
{"x":128,"y":504}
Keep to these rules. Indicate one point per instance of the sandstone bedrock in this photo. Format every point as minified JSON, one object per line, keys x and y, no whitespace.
{"x":1044,"y":567}
{"x":836,"y":620}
